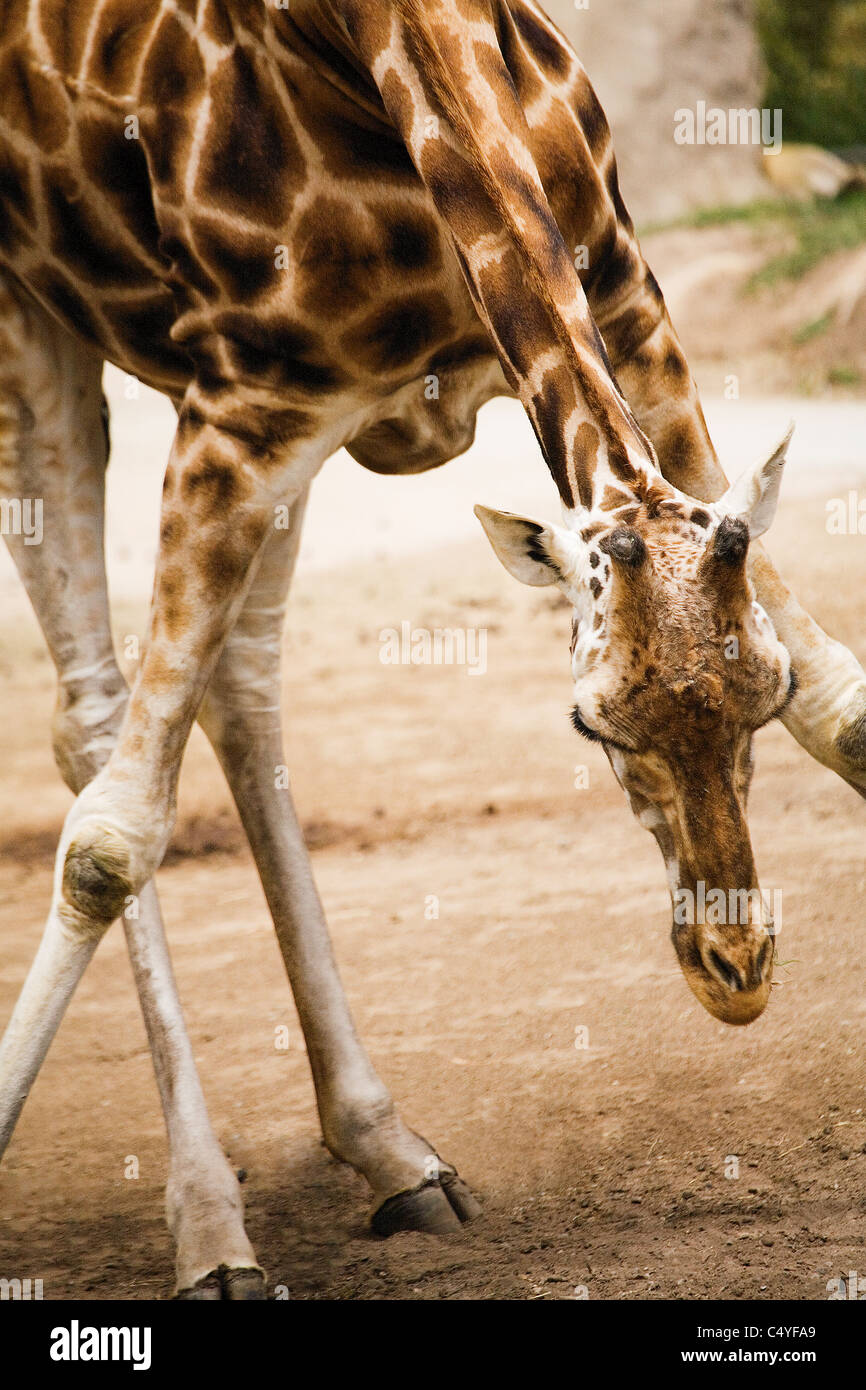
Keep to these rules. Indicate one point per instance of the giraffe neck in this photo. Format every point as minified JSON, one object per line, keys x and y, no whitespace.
{"x":445,"y":85}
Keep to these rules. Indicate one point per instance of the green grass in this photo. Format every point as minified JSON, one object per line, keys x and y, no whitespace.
{"x":814,"y":329}
{"x":811,"y":231}
{"x":815,"y":56}
{"x":844,"y":376}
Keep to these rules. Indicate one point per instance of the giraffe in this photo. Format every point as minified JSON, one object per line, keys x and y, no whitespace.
{"x":287,"y":219}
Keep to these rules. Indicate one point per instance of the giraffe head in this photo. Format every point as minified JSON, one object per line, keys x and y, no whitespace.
{"x":675,"y":667}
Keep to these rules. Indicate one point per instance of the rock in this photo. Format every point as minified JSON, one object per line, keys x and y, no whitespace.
{"x":648,"y":61}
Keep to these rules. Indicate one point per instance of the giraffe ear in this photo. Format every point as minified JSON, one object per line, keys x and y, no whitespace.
{"x":753,"y":498}
{"x":531,"y":551}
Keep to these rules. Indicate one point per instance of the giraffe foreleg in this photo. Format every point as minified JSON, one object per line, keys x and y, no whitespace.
{"x":412,"y":1187}
{"x":53,"y":446}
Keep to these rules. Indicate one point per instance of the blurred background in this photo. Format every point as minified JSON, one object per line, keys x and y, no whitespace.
{"x":762,"y":258}
{"x":805,"y":57}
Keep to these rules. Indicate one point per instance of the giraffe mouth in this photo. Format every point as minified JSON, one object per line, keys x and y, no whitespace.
{"x":728,"y":968}
{"x":732,"y":1006}
{"x":731,"y":977}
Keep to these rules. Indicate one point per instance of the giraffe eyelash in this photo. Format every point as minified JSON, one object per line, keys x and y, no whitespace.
{"x":793,"y":687}
{"x":592,"y":735}
{"x":583,"y":729}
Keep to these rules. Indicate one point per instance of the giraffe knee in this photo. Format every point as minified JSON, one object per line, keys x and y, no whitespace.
{"x":113,"y":842}
{"x":84,"y":729}
{"x":96,"y":884}
{"x":850,"y":745}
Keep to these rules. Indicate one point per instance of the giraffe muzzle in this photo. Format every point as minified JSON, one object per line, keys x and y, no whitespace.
{"x":728,"y":965}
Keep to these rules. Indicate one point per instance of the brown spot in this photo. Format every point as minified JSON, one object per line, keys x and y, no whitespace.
{"x":278,"y":352}
{"x":585,"y":460}
{"x":630,"y":330}
{"x":158,"y":673}
{"x":458,"y":194}
{"x":216,"y":22}
{"x":266,"y":435}
{"x":68,"y":303}
{"x":676,"y":365}
{"x":339,"y":263}
{"x":411,"y":240}
{"x":591,"y":115}
{"x":66,"y":28}
{"x":123,"y":175}
{"x":212,"y":486}
{"x":620,"y":463}
{"x":84,"y":241}
{"x":399,"y":333}
{"x":186,"y":271}
{"x":352,"y":145}
{"x":170,"y":603}
{"x":13,"y":19}
{"x":615,"y":273}
{"x":527,"y":80}
{"x":173,"y":71}
{"x":17,"y":216}
{"x":251,"y":162}
{"x":224,"y":563}
{"x":678,"y":448}
{"x":173,"y":531}
{"x":547,"y":48}
{"x":244,"y":264}
{"x":146,"y":326}
{"x":612,"y":497}
{"x":190,"y":422}
{"x":34,"y":103}
{"x":124,"y":29}
{"x":169,"y":136}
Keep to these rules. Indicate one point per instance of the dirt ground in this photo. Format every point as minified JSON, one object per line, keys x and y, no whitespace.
{"x":765,"y":337}
{"x":602,"y":1168}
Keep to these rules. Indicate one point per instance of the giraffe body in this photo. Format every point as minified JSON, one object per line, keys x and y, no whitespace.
{"x":352,"y":222}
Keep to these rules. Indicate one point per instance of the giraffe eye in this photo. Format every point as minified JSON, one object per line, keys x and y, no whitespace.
{"x":593,"y":735}
{"x":584,"y":729}
{"x":793,"y":686}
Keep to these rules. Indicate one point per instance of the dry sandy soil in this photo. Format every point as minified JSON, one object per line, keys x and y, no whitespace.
{"x":601,"y":1168}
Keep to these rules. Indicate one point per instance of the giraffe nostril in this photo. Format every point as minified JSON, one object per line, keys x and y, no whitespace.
{"x":727,"y":973}
{"x":764,"y":958}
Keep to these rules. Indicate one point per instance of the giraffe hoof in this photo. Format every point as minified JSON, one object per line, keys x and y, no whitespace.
{"x":227,"y":1285}
{"x":462,"y":1200}
{"x":244,"y":1286}
{"x":438,"y":1207}
{"x":207,"y":1290}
